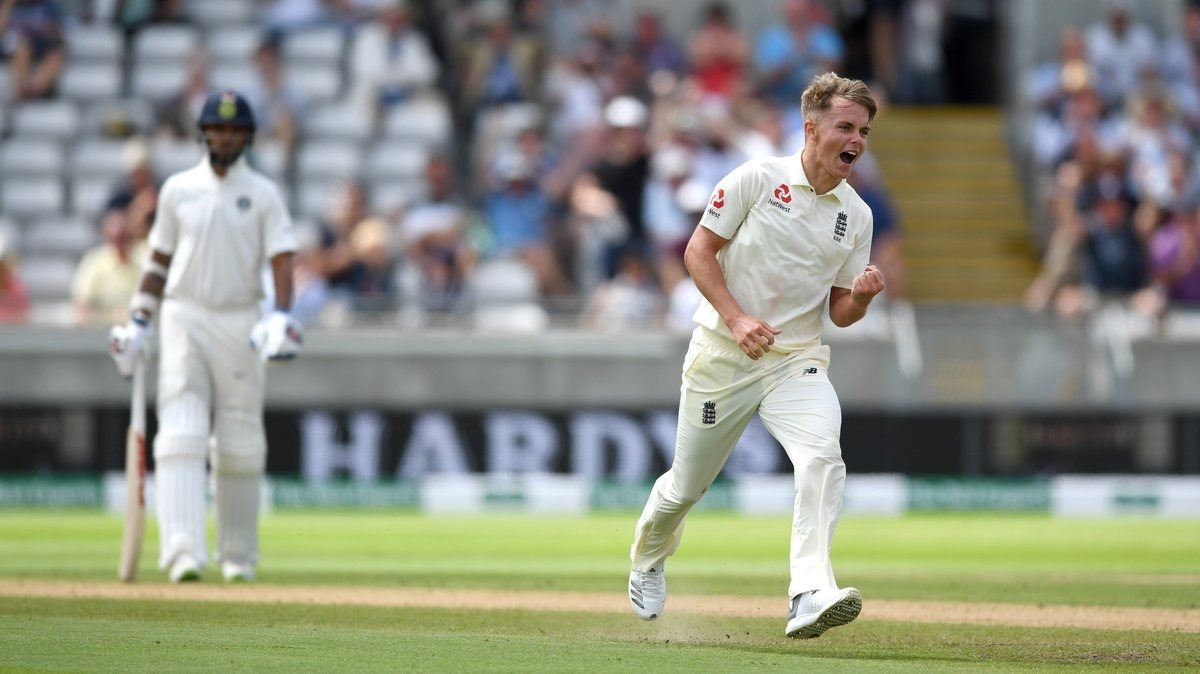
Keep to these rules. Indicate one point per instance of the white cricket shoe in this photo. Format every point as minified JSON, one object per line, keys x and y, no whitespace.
{"x":185,"y":569}
{"x":813,"y":612}
{"x":648,"y":592}
{"x":235,"y":572}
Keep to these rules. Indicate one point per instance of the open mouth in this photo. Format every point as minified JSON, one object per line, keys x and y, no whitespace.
{"x":848,"y":157}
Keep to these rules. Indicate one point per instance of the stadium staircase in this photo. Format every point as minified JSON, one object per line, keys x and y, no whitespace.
{"x":966,"y":229}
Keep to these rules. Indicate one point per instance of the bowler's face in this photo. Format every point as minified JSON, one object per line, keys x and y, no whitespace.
{"x":840,"y":137}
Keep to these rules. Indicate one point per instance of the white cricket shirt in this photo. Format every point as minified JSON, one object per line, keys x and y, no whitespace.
{"x":787,"y":247}
{"x":220,"y":234}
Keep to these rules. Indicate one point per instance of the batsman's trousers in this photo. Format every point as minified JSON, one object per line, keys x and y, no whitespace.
{"x":722,"y":389}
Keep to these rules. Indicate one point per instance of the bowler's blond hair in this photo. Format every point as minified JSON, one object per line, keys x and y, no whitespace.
{"x":817,"y":99}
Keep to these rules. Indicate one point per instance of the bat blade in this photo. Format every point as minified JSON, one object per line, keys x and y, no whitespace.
{"x":135,"y":478}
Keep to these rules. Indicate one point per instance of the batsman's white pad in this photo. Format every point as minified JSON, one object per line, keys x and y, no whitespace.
{"x":183,"y":414}
{"x":277,"y":337}
{"x":237,"y":500}
{"x":179,"y":496}
{"x":241,"y":442}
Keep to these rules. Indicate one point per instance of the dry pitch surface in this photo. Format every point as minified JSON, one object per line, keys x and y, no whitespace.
{"x":1018,"y":615}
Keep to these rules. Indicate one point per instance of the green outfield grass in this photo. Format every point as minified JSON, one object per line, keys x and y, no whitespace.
{"x":965,"y":558}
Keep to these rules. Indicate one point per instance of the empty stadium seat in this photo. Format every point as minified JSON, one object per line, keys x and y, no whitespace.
{"x":393,"y":159}
{"x":315,"y":84}
{"x":32,"y":197}
{"x":270,"y":158}
{"x":10,"y":234}
{"x":118,"y":118}
{"x":48,"y":278}
{"x":68,"y":236}
{"x":423,"y":120}
{"x":30,"y":156}
{"x":242,"y":77}
{"x":505,"y":295}
{"x":158,"y":43}
{"x":311,"y":197}
{"x":95,"y":43}
{"x":233,"y":44}
{"x":338,"y":120}
{"x":224,"y":14}
{"x":314,"y":46}
{"x":50,"y":118}
{"x":386,"y":196}
{"x":171,"y":156}
{"x":90,"y":195}
{"x":84,"y":81}
{"x":98,"y":157}
{"x":158,"y":81}
{"x":328,"y":159}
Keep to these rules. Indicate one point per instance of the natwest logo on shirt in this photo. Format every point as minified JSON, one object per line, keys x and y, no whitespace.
{"x":783,"y":196}
{"x":718,"y":201}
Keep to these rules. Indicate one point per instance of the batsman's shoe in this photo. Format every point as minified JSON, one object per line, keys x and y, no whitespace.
{"x":813,"y":612}
{"x":185,"y":569}
{"x":648,"y":592}
{"x":233,"y":572}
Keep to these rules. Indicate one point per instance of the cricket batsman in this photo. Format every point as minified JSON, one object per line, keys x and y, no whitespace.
{"x":218,"y":224}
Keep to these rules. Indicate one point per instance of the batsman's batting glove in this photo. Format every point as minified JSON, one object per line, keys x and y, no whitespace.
{"x":277,"y":336}
{"x":126,"y":342}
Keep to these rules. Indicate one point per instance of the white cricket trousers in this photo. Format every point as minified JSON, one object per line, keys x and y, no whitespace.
{"x":722,"y":389}
{"x":210,"y":399}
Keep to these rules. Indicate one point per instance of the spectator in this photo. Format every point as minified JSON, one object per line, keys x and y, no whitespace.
{"x":177,"y":115}
{"x":1119,"y":48}
{"x":279,"y":17}
{"x":1051,"y":83}
{"x":658,"y":50}
{"x":133,"y":15}
{"x":668,"y":225}
{"x":372,"y":282}
{"x":138,"y":176}
{"x":503,"y":67}
{"x":518,"y":216}
{"x":683,"y":297}
{"x":32,"y":36}
{"x":1152,"y":131}
{"x":280,"y":108}
{"x":1179,"y":66}
{"x":1112,"y":250}
{"x":390,"y":60}
{"x":886,"y":233}
{"x":718,"y":54}
{"x":622,"y":171}
{"x":108,"y":275}
{"x":790,"y":52}
{"x":14,"y":299}
{"x":570,"y":23}
{"x":630,"y":300}
{"x":1174,"y":248}
{"x":312,"y":290}
{"x":574,"y":90}
{"x":435,"y":239}
{"x":335,"y":257}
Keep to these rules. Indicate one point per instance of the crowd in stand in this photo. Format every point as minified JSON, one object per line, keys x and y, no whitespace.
{"x":582,"y":146}
{"x":1114,"y":143}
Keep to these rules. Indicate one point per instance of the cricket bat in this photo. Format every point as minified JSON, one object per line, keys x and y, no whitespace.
{"x":135,"y":477}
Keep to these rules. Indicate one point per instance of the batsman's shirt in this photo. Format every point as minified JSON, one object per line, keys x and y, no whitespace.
{"x":787,"y":247}
{"x":220,"y":234}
